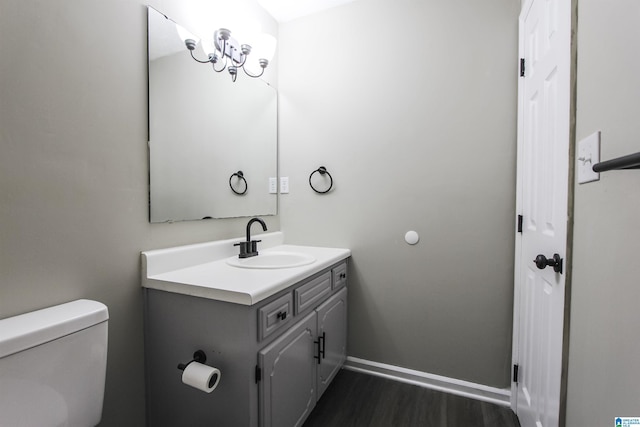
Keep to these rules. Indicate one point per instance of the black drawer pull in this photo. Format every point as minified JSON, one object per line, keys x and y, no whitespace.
{"x":281,"y":315}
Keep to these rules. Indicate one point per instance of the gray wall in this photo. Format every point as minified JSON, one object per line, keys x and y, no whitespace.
{"x":73,"y":171}
{"x":73,"y":180}
{"x":411,"y":106}
{"x":604,"y":350}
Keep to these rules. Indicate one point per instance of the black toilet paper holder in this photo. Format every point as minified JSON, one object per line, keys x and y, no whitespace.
{"x":199,"y":356}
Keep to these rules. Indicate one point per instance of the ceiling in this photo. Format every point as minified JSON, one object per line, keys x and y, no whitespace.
{"x":288,"y":10}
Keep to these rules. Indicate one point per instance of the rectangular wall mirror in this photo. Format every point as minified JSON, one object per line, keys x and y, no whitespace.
{"x":203,"y":130}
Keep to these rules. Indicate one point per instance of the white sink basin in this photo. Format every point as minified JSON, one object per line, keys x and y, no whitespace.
{"x":274,"y":259}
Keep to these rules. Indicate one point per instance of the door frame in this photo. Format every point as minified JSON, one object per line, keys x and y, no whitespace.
{"x":525,"y":5}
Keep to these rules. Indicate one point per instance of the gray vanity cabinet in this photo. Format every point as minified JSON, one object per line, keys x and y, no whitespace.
{"x":298,"y":367}
{"x":276,"y":357}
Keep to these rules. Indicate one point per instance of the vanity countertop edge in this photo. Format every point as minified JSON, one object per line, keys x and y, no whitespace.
{"x":217,"y":280}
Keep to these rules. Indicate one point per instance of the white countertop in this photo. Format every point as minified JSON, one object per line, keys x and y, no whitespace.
{"x":186,"y":270}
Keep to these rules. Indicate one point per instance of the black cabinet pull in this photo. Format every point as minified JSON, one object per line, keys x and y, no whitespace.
{"x":281,"y":315}
{"x":321,"y":346}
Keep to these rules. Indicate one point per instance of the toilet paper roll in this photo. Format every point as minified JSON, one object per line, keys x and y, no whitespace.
{"x":202,"y":377}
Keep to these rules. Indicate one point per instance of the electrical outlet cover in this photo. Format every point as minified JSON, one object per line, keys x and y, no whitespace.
{"x":273,"y":185}
{"x":284,"y":184}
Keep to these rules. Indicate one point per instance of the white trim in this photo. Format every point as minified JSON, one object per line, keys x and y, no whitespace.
{"x":435,"y":382}
{"x":515,"y":339}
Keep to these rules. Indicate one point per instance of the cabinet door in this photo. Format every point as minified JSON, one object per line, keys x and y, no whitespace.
{"x":332,"y":330}
{"x":288,"y":385}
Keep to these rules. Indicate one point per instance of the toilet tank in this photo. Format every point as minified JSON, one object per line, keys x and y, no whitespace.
{"x":53,"y":365}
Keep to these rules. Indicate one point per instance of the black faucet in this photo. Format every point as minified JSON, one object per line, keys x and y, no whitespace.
{"x":249,"y":248}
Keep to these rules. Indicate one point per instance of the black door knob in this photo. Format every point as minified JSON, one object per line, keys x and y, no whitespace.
{"x":542,"y":262}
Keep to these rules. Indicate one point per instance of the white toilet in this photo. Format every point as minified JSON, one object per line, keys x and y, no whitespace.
{"x":52,"y":366}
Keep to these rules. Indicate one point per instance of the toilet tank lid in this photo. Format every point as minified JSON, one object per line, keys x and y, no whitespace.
{"x":28,"y":330}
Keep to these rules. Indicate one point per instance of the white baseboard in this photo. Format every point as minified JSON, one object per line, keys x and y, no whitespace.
{"x":436,"y":382}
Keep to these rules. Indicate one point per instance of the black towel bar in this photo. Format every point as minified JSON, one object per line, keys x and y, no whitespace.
{"x":631,"y":161}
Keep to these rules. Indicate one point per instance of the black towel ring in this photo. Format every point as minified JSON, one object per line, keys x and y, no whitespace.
{"x":240,"y":176}
{"x":323,"y":171}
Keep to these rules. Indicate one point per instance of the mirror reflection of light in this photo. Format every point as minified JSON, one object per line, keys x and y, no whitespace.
{"x":185,"y":34}
{"x":264,"y":47}
{"x":243,"y":30}
{"x":232,"y":52}
{"x":207,"y":46}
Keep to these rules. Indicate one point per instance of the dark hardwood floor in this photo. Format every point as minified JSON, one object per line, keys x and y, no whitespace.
{"x":361,"y":400}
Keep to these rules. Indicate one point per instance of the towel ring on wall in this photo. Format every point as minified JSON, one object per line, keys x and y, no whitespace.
{"x":240,"y":176}
{"x":322,"y":171}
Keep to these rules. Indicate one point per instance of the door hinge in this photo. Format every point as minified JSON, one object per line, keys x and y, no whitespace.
{"x":515,"y":373}
{"x":521,"y":67}
{"x":258,"y":374}
{"x":520,"y":219}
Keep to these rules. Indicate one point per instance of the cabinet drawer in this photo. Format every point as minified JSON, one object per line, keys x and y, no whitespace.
{"x":274,"y":315}
{"x":339,"y":275}
{"x":312,"y":293}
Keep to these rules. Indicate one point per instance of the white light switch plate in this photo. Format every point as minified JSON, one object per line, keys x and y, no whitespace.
{"x":284,"y":184}
{"x":273,"y":185}
{"x":587,"y":156}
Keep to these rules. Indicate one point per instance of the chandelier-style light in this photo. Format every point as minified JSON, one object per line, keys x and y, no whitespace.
{"x":226,"y":53}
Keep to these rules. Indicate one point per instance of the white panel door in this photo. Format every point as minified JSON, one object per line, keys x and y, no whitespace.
{"x":543,"y":145}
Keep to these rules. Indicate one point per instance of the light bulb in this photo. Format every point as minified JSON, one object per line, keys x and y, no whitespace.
{"x":264,"y":47}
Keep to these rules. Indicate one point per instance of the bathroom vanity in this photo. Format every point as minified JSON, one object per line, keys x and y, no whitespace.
{"x":275,"y":328}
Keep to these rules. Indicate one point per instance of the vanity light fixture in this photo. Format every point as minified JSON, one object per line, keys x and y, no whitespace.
{"x":227,"y":53}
